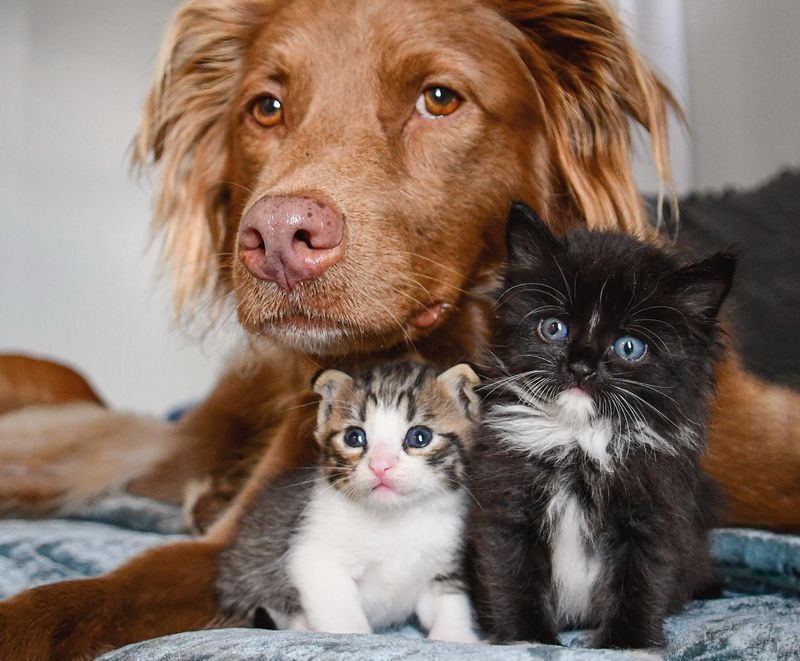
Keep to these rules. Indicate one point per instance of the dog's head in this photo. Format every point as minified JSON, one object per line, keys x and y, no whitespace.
{"x":344,"y":167}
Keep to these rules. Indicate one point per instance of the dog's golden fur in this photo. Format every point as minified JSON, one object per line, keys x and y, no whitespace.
{"x":26,"y":380}
{"x":554,"y":86}
{"x":548,"y":88}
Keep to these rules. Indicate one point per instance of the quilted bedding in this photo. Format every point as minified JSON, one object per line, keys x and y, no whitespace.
{"x":758,"y":616}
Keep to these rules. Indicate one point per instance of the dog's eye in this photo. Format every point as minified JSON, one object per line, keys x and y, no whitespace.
{"x":438,"y":101}
{"x":267,"y":111}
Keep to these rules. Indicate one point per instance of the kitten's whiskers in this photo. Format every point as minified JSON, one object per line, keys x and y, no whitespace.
{"x":539,"y":287}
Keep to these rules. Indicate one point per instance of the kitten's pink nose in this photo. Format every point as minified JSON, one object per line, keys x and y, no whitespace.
{"x":380,"y":463}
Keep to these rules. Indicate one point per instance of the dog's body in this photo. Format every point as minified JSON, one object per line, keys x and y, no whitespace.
{"x":385,"y":195}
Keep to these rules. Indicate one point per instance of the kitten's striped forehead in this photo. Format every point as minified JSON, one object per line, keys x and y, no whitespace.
{"x":406,"y":391}
{"x":403,"y":388}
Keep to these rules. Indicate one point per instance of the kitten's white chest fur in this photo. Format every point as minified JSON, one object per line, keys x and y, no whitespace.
{"x":537,"y":429}
{"x":388,"y":561}
{"x":574,"y":569}
{"x":570,"y":424}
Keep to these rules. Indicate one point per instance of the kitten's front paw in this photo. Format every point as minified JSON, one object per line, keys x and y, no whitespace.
{"x":538,"y":632}
{"x":627,"y":638}
{"x":453,"y":634}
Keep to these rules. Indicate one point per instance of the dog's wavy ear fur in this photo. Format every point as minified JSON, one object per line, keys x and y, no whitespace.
{"x":183,"y":129}
{"x":590,"y":83}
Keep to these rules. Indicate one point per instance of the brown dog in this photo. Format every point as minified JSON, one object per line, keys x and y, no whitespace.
{"x":342,"y":168}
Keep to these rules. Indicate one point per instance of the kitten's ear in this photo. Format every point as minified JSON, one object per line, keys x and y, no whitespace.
{"x":704,"y":285}
{"x":460,"y":381}
{"x":328,"y":384}
{"x":527,"y":235}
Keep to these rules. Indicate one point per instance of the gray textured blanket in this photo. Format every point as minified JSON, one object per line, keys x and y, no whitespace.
{"x":758,"y":617}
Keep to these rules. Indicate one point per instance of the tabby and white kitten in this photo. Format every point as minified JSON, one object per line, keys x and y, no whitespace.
{"x":594,"y":508}
{"x":373,"y":534}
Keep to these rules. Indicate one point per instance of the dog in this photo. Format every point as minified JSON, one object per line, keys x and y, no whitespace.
{"x":339,"y":171}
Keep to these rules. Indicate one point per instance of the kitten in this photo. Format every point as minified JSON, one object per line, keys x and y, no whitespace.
{"x":373,"y":534}
{"x":595,"y":509}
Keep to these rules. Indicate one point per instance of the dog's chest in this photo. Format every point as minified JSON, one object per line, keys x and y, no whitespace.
{"x":575,"y":563}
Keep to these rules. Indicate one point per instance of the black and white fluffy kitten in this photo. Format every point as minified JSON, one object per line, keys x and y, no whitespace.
{"x":373,"y":533}
{"x":594,"y":508}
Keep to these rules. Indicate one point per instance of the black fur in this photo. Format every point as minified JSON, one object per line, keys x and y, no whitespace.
{"x":648,"y":506}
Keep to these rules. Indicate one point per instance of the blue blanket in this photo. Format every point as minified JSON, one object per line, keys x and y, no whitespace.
{"x":757,"y":618}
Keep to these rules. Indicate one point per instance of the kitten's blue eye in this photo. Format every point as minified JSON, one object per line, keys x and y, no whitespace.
{"x":355,"y":437}
{"x":418,"y":437}
{"x":553,"y":330}
{"x":629,"y":347}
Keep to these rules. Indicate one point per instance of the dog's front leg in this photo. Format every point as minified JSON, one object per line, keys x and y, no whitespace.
{"x":165,"y":590}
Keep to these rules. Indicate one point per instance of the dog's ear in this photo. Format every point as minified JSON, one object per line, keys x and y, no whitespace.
{"x":590,"y":82}
{"x":183,"y":129}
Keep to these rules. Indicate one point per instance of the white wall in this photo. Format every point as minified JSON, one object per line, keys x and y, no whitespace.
{"x":75,"y":280}
{"x":744,"y":87}
{"x":734,"y":65}
{"x":658,"y":31}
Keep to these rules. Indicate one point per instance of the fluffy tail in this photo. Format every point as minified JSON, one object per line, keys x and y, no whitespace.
{"x":754,"y":449}
{"x":54,"y":459}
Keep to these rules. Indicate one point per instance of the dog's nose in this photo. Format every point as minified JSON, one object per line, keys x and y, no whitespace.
{"x":290,"y":239}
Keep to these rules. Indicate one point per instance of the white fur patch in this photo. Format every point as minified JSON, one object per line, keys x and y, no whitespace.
{"x":574,"y":570}
{"x":452,"y":619}
{"x":536,"y":428}
{"x":385,"y":427}
{"x":358,"y":567}
{"x":571,"y":421}
{"x":574,"y":407}
{"x":593,"y":320}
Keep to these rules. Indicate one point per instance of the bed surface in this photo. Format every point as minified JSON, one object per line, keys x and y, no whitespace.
{"x":757,"y":618}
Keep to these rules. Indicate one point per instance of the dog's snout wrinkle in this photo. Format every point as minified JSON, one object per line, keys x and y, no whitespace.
{"x":287,"y":240}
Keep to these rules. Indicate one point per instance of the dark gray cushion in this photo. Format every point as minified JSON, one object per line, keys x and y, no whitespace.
{"x":763,"y":226}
